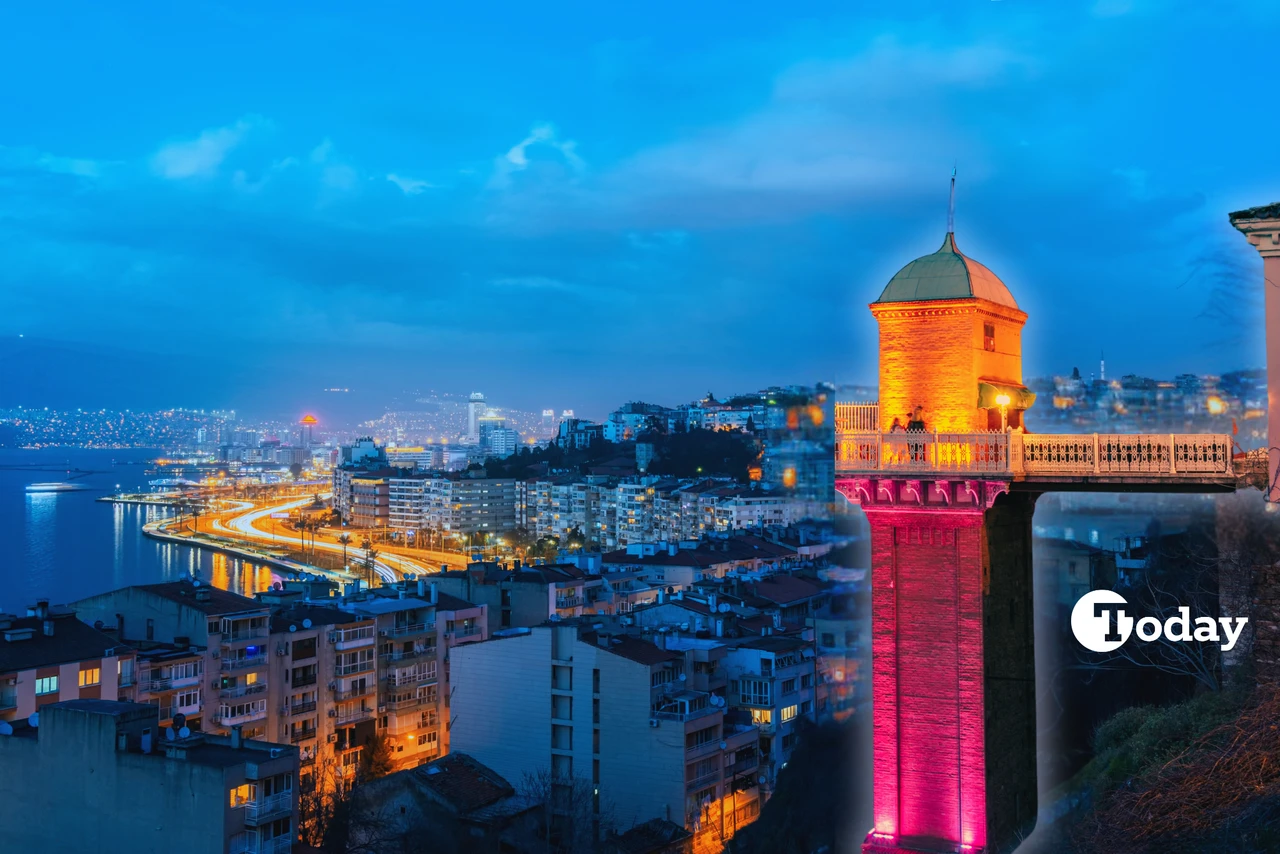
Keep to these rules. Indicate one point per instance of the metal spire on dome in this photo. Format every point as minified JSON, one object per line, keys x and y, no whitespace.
{"x":951,"y":204}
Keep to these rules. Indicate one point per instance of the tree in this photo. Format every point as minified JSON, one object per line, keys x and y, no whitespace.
{"x":545,"y":547}
{"x":376,"y":760}
{"x":295,"y":469}
{"x":344,"y":538}
{"x":521,"y":539}
{"x":574,"y":815}
{"x":322,"y":805}
{"x":576,"y":539}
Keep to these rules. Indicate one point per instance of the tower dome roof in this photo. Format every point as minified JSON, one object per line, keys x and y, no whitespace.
{"x":946,"y":275}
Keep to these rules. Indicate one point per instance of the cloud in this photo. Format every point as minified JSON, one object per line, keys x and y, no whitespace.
{"x":890,"y":69}
{"x":25,"y":158}
{"x":200,"y":157}
{"x":409,"y":186}
{"x":517,"y":158}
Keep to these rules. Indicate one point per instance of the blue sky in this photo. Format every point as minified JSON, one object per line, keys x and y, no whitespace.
{"x":576,"y":204}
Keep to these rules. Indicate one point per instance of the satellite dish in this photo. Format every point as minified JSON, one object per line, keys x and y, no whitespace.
{"x":195,"y":582}
{"x":306,"y":624}
{"x":179,"y":720}
{"x":184,"y":733}
{"x":683,"y":677}
{"x":34,"y":720}
{"x":723,"y":607}
{"x":293,"y":627}
{"x":169,"y":734}
{"x":5,"y":729}
{"x":724,"y":745}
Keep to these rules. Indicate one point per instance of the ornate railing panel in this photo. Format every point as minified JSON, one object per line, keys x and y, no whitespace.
{"x":1015,"y":454}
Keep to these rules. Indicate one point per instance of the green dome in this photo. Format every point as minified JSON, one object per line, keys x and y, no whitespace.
{"x":946,"y":275}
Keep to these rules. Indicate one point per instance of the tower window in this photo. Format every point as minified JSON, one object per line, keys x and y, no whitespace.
{"x":989,"y":337}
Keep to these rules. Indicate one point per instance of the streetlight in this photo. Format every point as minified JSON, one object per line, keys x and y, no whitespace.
{"x":1003,"y":400}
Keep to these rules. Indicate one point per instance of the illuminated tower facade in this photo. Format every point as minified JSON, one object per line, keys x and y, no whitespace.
{"x":306,"y":432}
{"x":950,"y":344}
{"x":953,"y":678}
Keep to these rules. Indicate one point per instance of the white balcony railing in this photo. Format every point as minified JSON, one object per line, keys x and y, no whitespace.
{"x":271,"y":806}
{"x":1019,"y":454}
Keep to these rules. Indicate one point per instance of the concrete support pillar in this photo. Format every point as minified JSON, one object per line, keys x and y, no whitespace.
{"x":953,"y":674}
{"x":1261,"y":226}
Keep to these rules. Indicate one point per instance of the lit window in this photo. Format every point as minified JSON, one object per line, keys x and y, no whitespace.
{"x":789,"y":713}
{"x":763,"y":717}
{"x":47,"y":685}
{"x":989,"y":337}
{"x":89,"y":677}
{"x":241,"y":795}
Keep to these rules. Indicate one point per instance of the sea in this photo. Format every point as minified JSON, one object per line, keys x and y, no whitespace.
{"x":65,"y":546}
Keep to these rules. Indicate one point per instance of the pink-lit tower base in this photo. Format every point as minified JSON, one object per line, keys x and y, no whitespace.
{"x":953,"y":664}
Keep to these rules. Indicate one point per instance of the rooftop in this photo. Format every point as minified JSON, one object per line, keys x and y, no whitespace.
{"x":946,"y":275}
{"x":71,"y":641}
{"x":635,"y":649}
{"x":202,"y":597}
{"x":297,"y":615}
{"x":1271,"y":211}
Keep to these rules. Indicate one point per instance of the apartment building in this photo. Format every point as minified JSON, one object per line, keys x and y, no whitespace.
{"x":50,"y":656}
{"x":417,"y":628}
{"x":230,"y":629}
{"x":406,"y":499}
{"x":773,"y":679}
{"x":171,"y":678}
{"x":102,"y":776}
{"x":323,"y":695}
{"x":370,"y":502}
{"x":470,"y":505}
{"x":613,"y":715}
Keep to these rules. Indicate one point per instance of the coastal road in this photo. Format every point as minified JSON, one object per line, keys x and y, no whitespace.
{"x":246,"y":522}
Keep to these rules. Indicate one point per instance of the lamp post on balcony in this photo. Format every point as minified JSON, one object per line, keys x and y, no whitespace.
{"x":1003,"y":400}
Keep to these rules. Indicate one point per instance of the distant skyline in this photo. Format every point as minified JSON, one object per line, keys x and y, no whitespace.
{"x":222,"y":205}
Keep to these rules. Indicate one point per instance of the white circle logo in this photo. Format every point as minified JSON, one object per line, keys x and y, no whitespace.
{"x":1101,"y":621}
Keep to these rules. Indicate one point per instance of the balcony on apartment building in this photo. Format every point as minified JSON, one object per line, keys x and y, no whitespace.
{"x":354,"y":691}
{"x":244,"y":662}
{"x":353,"y":667}
{"x":303,"y":680}
{"x":242,"y":713}
{"x":390,"y":659}
{"x":154,"y":683}
{"x":268,"y":808}
{"x":352,"y":715}
{"x":412,"y":676}
{"x":405,"y":629}
{"x":243,"y":691}
{"x":685,"y":706}
{"x":572,"y":601}
{"x":302,"y":735}
{"x":241,"y":632}
{"x":8,"y":698}
{"x":353,"y":638}
{"x":251,"y":844}
{"x":411,"y":702}
{"x":299,"y":708}
{"x":461,"y":634}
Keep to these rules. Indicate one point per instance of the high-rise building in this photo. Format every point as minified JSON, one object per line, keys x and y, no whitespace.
{"x":475,"y":411}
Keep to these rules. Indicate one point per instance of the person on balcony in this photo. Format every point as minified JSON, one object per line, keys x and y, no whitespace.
{"x":916,"y":422}
{"x":896,"y":426}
